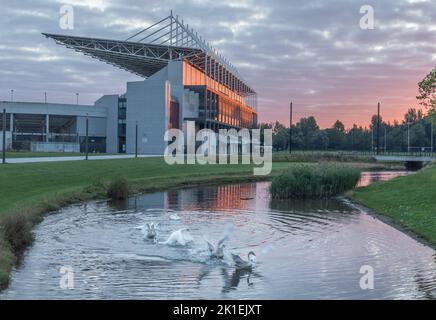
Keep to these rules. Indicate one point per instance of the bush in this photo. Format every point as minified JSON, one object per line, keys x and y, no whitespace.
{"x":7,"y":260}
{"x":118,"y":189}
{"x":314,"y":156}
{"x":98,"y":187}
{"x":16,"y":229}
{"x":316,"y":181}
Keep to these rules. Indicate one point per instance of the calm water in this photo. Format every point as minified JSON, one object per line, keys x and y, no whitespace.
{"x":305,"y":249}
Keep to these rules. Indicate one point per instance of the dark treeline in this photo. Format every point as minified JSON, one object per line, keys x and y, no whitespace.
{"x":307,"y":135}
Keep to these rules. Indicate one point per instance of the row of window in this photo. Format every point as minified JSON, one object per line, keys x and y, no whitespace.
{"x":224,"y":110}
{"x":194,"y":77}
{"x":122,"y":115}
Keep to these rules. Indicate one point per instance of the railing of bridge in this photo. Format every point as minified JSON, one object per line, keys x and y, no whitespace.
{"x":363,"y":153}
{"x":391,"y":153}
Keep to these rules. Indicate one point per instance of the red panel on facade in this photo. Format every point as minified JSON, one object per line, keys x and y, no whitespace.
{"x":174,"y":115}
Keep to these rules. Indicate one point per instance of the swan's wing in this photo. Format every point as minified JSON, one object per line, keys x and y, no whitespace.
{"x":221,"y":242}
{"x":237,"y":259}
{"x":210,"y":246}
{"x":227,"y":232}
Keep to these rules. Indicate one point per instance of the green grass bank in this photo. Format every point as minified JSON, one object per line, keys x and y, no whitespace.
{"x":408,"y":201}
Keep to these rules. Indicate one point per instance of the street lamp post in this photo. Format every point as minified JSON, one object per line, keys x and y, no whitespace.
{"x":136,"y":140}
{"x":352,"y":139}
{"x":86,"y":139}
{"x":378,"y":128}
{"x":77,"y":98}
{"x":290,"y":128}
{"x":432,"y":134}
{"x":12,"y":95}
{"x":408,"y":136}
{"x":432,"y":137}
{"x":4,"y":136}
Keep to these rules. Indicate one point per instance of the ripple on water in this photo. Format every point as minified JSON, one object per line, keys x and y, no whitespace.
{"x":305,"y":249}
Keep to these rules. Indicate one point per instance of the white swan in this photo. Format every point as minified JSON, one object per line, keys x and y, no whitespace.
{"x":180,"y":237}
{"x":242,"y":264}
{"x":217,"y":252}
{"x":151,"y":230}
{"x":174,"y":216}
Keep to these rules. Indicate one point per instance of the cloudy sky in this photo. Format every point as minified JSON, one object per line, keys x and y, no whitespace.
{"x":311,"y":52}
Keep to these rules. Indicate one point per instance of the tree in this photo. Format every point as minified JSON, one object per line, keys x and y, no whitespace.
{"x":280,"y":136}
{"x":413,"y":116}
{"x":358,"y":138}
{"x":262,"y":127}
{"x":336,"y":135}
{"x":427,"y":91}
{"x":320,"y":140}
{"x":374,"y":121}
{"x":427,"y":94}
{"x":307,"y":135}
{"x":339,"y":126}
{"x":306,"y":129}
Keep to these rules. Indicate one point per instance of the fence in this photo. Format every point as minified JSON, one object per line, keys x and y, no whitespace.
{"x":54,"y":147}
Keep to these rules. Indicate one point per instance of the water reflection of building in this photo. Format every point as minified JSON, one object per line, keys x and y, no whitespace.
{"x":233,"y":196}
{"x":211,"y":197}
{"x":148,"y":201}
{"x":368,"y":178}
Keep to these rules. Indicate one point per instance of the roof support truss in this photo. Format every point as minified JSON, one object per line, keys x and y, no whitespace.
{"x":150,"y":50}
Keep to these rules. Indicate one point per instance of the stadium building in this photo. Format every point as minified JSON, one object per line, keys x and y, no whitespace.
{"x":186,"y":79}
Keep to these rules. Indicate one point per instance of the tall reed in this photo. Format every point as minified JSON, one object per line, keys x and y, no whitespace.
{"x":314,"y":181}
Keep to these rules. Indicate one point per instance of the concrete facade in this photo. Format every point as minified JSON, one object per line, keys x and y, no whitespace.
{"x":144,"y":108}
{"x":148,"y":106}
{"x":110,"y":102}
{"x":7,"y":142}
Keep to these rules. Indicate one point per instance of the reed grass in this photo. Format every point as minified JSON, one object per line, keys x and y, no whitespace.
{"x":324,"y":180}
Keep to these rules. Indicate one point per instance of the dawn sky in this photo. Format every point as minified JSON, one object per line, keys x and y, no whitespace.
{"x":311,"y":52}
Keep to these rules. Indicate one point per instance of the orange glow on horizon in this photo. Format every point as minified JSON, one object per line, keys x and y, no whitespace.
{"x":327,"y":110}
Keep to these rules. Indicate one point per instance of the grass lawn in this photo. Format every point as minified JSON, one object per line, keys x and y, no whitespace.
{"x":24,"y":184}
{"x":409,"y":201}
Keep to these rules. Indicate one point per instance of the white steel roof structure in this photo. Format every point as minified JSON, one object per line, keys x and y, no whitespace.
{"x":152,"y":48}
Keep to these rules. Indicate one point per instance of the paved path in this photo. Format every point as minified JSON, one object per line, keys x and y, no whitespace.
{"x":75,"y":158}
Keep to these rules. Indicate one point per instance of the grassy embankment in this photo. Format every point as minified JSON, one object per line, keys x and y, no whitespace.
{"x":408,"y":201}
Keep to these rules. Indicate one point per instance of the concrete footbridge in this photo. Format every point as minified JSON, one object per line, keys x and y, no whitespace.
{"x":411,"y":160}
